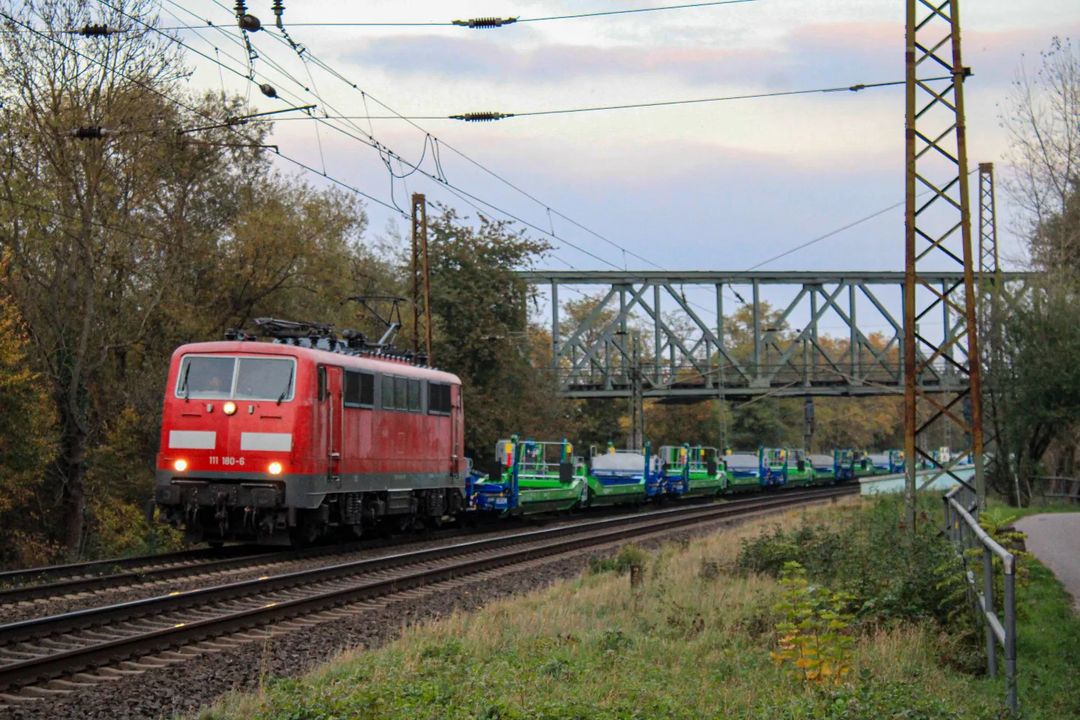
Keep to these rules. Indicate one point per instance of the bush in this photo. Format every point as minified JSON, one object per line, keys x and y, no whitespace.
{"x":814,"y":643}
{"x":627,"y":557}
{"x":890,"y":576}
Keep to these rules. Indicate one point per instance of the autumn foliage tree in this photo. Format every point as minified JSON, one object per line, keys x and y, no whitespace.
{"x":27,"y":438}
{"x":121,"y":247}
{"x":1033,"y":383}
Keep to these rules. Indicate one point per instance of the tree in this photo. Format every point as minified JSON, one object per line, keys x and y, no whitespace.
{"x":1033,"y":384}
{"x":1038,"y":388}
{"x":27,"y":435}
{"x":122,"y":247}
{"x":1040,"y":118}
{"x":75,"y":250}
{"x":479,"y":308}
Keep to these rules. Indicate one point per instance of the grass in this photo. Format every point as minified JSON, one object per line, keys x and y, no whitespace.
{"x":1048,"y":648}
{"x":693,"y":642}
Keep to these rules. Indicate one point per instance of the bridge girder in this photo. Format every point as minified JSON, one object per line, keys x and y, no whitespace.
{"x":685,"y":357}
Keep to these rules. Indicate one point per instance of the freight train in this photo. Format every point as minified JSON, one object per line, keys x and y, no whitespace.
{"x":283,"y":442}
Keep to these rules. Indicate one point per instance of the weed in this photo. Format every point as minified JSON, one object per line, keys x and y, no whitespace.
{"x":627,"y":557}
{"x":449,"y":649}
{"x":813,"y":644}
{"x":614,"y":641}
{"x":709,"y":570}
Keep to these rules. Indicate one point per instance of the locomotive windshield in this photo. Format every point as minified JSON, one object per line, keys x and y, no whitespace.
{"x":244,"y":378}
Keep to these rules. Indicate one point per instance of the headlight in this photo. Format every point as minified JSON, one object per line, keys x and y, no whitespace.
{"x":275,"y":468}
{"x":180,"y":465}
{"x":229,"y":408}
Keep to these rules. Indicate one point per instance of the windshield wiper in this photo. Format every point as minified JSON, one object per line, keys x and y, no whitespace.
{"x":288,"y":386}
{"x":184,"y":383}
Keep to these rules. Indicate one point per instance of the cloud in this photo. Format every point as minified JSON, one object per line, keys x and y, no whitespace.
{"x":809,"y":54}
{"x":460,"y":58}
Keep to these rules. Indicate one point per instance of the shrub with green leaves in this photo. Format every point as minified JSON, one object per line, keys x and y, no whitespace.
{"x":890,"y":575}
{"x":814,"y":642}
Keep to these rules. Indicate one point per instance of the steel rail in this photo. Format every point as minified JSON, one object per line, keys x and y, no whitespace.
{"x":18,"y":586}
{"x":192,"y":568}
{"x":136,"y":577}
{"x":34,"y":628}
{"x":24,"y":578}
{"x":479,"y":555}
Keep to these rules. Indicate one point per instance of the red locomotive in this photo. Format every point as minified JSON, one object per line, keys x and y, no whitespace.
{"x":283,"y":441}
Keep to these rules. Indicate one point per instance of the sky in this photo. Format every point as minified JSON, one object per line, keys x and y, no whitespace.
{"x":719,"y":186}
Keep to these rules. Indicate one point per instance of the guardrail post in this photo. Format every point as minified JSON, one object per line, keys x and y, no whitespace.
{"x":1010,"y":638}
{"x":966,"y":534}
{"x":949,"y":533}
{"x":988,"y":610}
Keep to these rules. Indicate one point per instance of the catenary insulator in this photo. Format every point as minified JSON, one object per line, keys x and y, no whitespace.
{"x":95,"y":30}
{"x":482,"y":116}
{"x":485,"y":22}
{"x":89,"y":132}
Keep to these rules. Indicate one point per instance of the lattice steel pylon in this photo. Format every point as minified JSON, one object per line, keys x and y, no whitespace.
{"x":937,"y":237}
{"x":988,"y":249}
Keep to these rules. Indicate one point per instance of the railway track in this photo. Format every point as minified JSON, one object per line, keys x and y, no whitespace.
{"x":79,"y":645}
{"x":59,"y":581}
{"x":197,"y":563}
{"x":17,"y":585}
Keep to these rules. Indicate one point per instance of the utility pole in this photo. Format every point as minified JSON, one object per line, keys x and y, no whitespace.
{"x":808,"y":424}
{"x":637,"y":398}
{"x":937,"y":235}
{"x":421,"y":275}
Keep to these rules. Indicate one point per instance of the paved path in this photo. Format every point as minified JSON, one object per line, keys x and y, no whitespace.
{"x":1054,"y":539}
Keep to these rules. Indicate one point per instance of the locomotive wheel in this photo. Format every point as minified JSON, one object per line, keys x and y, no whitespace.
{"x":306,"y":532}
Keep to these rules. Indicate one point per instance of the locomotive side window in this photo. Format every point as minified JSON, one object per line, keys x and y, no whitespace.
{"x":322,"y":383}
{"x":414,"y":396}
{"x":388,"y":392}
{"x":438,"y":399}
{"x":359,"y":389}
{"x":401,"y":393}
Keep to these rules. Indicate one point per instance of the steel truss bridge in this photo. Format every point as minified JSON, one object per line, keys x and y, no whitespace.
{"x":837,"y":333}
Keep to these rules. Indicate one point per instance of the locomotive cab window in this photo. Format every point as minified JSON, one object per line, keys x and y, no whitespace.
{"x":264,"y":379}
{"x":221,"y":377}
{"x":359,"y":389}
{"x":438,"y":399}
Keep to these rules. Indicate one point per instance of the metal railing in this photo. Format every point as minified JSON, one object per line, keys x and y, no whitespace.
{"x":964,"y":531}
{"x":1056,"y":489}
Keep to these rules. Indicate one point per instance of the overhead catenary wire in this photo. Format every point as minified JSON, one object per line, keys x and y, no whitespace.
{"x":493,"y":116}
{"x":367,"y":139}
{"x":441,"y":176}
{"x":179,"y":103}
{"x":849,"y":88}
{"x":839,"y":230}
{"x":492,"y":22}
